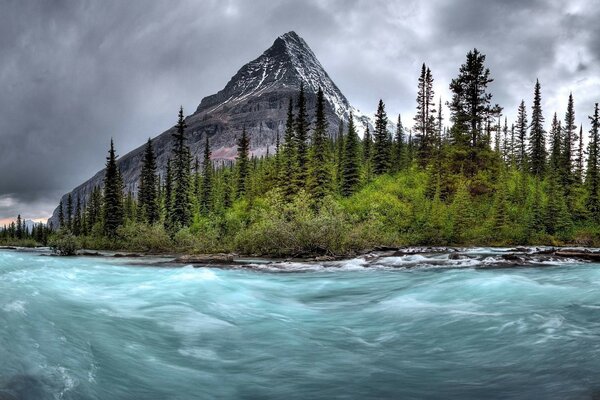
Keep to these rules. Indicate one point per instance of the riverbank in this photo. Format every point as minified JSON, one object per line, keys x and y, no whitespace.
{"x":405,"y":257}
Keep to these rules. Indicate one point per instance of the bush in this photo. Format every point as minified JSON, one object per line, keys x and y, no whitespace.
{"x":64,"y":243}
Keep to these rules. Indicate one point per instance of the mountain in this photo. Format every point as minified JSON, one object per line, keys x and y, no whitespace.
{"x":256,"y":97}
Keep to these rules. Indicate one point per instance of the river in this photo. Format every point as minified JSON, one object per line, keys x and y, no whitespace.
{"x":406,"y":327}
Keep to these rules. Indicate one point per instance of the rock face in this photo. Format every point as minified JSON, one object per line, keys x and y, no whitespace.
{"x":257,"y":98}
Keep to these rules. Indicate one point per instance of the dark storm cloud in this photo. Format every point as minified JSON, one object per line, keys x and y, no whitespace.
{"x":75,"y":73}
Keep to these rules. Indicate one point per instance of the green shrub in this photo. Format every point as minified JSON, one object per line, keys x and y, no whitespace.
{"x":64,"y":243}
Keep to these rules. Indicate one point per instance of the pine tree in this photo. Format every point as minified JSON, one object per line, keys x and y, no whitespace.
{"x":288,"y":170}
{"x":243,"y":166}
{"x":462,"y":217}
{"x":113,"y":195}
{"x":555,"y":144}
{"x":70,"y":212}
{"x":207,"y":180}
{"x":398,"y":158}
{"x":61,"y":215}
{"x":340,"y":144}
{"x":181,"y":205}
{"x":368,"y":153}
{"x":521,"y":145}
{"x":381,"y":145}
{"x":319,"y":181}
{"x":168,"y":192}
{"x":592,"y":178}
{"x":77,"y":218}
{"x":471,"y":103}
{"x":506,"y":145}
{"x":557,"y":216}
{"x":301,"y":136}
{"x":19,"y":228}
{"x":579,"y":160}
{"x":148,"y":193}
{"x":351,"y":163}
{"x":568,"y":144}
{"x":425,"y":117}
{"x":537,"y":136}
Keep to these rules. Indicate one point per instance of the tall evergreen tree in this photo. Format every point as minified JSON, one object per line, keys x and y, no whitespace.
{"x":568,"y":145}
{"x":288,"y":170}
{"x":398,"y":158}
{"x":113,"y":195}
{"x":301,"y":136}
{"x":19,"y":231}
{"x":537,"y":136}
{"x":77,"y":218}
{"x":243,"y":163}
{"x":148,"y":193}
{"x":70,"y":212}
{"x":555,"y":144}
{"x":592,"y":178}
{"x":425,"y":117}
{"x":471,"y":103}
{"x":207,"y":180}
{"x":579,"y":159}
{"x":319,"y":181}
{"x":351,"y":163}
{"x":381,"y":145}
{"x":61,"y":215}
{"x":521,"y":145}
{"x":340,"y":142}
{"x":181,"y":205}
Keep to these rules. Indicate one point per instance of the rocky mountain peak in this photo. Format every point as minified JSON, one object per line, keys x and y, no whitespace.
{"x":255,"y":98}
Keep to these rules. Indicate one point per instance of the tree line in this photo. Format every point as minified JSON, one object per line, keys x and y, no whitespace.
{"x":545,"y":183}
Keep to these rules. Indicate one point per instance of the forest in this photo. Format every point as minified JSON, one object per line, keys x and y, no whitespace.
{"x":479,"y":181}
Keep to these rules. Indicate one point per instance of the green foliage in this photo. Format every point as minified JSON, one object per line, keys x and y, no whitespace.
{"x":113,"y":196}
{"x":64,"y":243}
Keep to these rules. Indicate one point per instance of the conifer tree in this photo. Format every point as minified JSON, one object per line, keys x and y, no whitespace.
{"x":207,"y":180}
{"x":181,"y":206}
{"x":537,"y":138}
{"x":521,"y":135}
{"x":70,"y":212}
{"x":288,"y":170}
{"x":398,"y":158}
{"x":61,"y":215}
{"x":19,"y":228}
{"x":113,"y":195}
{"x":425,"y":117}
{"x":319,"y":181}
{"x":340,"y":144}
{"x":579,"y":159}
{"x":77,"y":218}
{"x":243,"y":164}
{"x":592,"y":178}
{"x":568,"y":144}
{"x":148,"y":193}
{"x":506,"y":145}
{"x":555,"y":144}
{"x":557,"y":216}
{"x":168,"y":192}
{"x":367,"y":146}
{"x":461,"y":213}
{"x":381,"y":145}
{"x":301,"y":136}
{"x":471,"y":103}
{"x":351,"y":163}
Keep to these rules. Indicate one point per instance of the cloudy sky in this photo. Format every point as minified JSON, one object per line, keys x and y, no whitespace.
{"x":73,"y":74}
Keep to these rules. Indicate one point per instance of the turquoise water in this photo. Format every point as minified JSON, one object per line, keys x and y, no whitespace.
{"x":99,"y":328}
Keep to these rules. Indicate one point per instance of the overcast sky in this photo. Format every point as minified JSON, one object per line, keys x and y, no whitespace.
{"x":75,"y":73}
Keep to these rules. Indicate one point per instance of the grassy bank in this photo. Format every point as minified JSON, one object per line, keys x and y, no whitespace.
{"x":392,"y":210}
